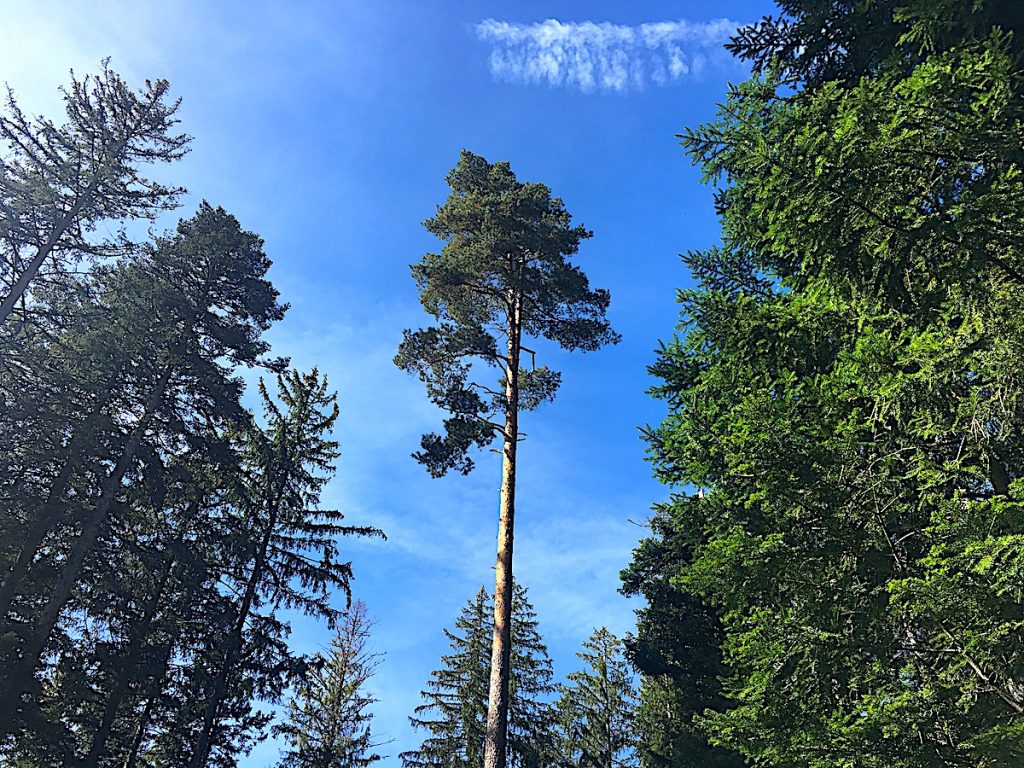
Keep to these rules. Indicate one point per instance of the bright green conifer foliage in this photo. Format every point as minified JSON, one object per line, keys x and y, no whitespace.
{"x":845,"y":389}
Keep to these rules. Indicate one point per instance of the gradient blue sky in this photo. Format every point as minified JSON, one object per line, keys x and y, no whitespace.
{"x":328,"y":127}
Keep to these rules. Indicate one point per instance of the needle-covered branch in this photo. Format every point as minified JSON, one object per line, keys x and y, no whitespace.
{"x":503,"y":273}
{"x":58,"y":183}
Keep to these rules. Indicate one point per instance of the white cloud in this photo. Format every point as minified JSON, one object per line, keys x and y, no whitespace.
{"x":589,"y":56}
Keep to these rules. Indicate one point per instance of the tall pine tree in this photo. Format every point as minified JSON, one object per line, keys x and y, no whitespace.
{"x":502,"y":277}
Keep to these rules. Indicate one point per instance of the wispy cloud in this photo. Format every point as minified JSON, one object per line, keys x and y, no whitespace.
{"x":590,"y":56}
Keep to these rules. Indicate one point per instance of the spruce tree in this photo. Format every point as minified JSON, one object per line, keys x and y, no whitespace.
{"x":502,"y":277}
{"x":845,"y":389}
{"x":597,"y":706}
{"x":328,"y":723}
{"x":455,"y":708}
{"x":170,"y":329}
{"x":153,"y":531}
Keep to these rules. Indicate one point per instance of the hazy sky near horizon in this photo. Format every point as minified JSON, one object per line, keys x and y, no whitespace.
{"x":328,"y":128}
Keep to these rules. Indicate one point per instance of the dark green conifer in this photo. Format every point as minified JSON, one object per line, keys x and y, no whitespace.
{"x":328,"y":720}
{"x":455,"y":708}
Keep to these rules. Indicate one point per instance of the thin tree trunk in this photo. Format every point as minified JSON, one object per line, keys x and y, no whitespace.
{"x":495,"y":747}
{"x":202,"y":752}
{"x":127,"y":669}
{"x":42,"y":522}
{"x":28,"y":274}
{"x":46,"y":516}
{"x":19,"y":676}
{"x":133,"y":753}
{"x":155,"y":689}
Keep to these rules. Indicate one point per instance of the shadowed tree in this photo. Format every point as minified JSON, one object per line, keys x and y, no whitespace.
{"x":676,"y":649}
{"x":293,"y":557}
{"x":502,"y":277}
{"x":174,"y":325}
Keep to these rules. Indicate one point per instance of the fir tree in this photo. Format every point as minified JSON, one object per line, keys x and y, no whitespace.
{"x":169,"y":330}
{"x":596,"y":707}
{"x":455,"y":712}
{"x":329,"y":719}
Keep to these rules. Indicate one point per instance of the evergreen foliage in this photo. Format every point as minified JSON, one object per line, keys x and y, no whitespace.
{"x":59,"y":182}
{"x":455,"y":709}
{"x":152,"y":530}
{"x":328,"y":722}
{"x":596,"y":708}
{"x":846,"y":390}
{"x":677,"y":651}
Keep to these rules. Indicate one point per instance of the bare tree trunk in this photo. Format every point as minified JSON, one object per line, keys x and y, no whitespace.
{"x":28,"y":274}
{"x":495,"y":747}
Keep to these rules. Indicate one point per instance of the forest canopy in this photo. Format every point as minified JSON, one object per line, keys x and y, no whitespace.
{"x":832,"y":572}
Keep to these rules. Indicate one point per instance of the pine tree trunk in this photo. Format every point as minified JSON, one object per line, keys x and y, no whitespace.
{"x":19,"y":677}
{"x":495,"y":747}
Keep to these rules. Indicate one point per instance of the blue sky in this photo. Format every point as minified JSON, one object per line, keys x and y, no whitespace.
{"x":328,"y":127}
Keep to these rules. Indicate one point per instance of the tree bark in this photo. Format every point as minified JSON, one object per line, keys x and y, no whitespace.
{"x":495,"y":746}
